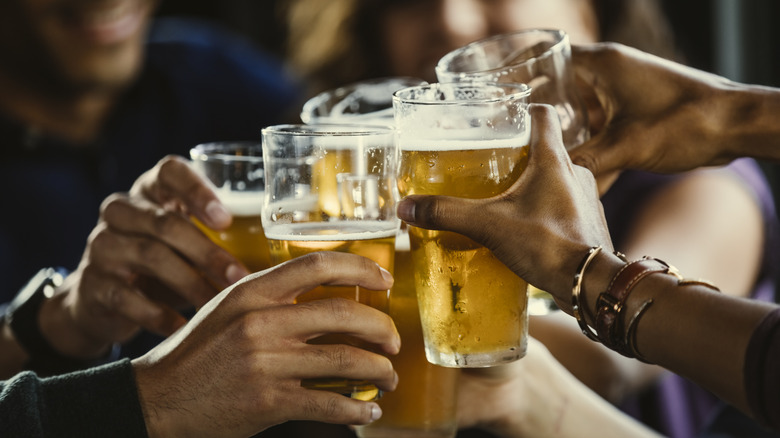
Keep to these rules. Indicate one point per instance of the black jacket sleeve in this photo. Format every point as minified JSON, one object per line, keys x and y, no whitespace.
{"x":97,"y":402}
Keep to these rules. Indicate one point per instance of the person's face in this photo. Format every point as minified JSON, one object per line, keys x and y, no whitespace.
{"x":418,"y":33}
{"x":74,"y":43}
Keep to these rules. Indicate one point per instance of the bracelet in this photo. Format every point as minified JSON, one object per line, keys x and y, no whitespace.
{"x":576,"y":290}
{"x":630,"y":340}
{"x":611,"y":303}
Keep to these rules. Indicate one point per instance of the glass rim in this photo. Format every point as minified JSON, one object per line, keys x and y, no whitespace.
{"x":328,"y":130}
{"x":523,"y":91}
{"x":561,"y":38}
{"x":308,"y":111}
{"x":220,"y":150}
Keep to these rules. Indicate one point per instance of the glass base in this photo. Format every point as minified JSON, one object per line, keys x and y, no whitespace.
{"x":357,"y":389}
{"x":396,"y":432}
{"x":477,"y":360}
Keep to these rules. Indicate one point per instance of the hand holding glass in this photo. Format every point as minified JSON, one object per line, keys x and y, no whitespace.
{"x":332,"y":188}
{"x":236,"y":171}
{"x":540,"y":58}
{"x":471,"y":141}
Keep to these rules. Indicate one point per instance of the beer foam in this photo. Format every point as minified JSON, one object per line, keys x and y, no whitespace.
{"x":402,"y":242}
{"x":242,"y":203}
{"x":347,"y":141}
{"x":332,"y":231}
{"x":467,"y":141}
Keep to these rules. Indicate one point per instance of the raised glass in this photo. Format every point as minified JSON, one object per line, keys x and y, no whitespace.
{"x":236,"y":171}
{"x":423,"y":404}
{"x":540,"y":58}
{"x":468,"y":140}
{"x":332,"y":188}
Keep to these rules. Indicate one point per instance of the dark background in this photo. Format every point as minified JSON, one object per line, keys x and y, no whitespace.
{"x":736,"y":38}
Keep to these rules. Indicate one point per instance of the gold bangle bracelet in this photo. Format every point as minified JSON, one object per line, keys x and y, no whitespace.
{"x":575,"y":293}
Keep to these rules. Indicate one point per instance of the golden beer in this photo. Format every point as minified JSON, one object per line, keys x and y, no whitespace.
{"x":473,"y":308}
{"x":424,"y":402}
{"x":244,"y":238}
{"x":374,"y":240}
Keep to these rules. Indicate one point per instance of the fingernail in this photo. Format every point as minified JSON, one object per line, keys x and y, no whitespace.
{"x":386,"y":274}
{"x":235,"y":272}
{"x":376,"y":412}
{"x":217,"y":213}
{"x":405,"y":210}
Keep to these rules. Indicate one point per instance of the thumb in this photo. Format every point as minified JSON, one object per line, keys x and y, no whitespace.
{"x":441,"y":212}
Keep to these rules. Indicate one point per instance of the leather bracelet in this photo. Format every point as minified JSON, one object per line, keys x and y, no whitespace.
{"x":610,"y":303}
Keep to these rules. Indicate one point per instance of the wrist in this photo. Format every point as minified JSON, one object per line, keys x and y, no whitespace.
{"x":746,"y":122}
{"x":600,"y":273}
{"x":63,"y":333}
{"x":35,"y":307}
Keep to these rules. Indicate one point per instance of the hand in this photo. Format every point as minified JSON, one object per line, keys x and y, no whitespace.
{"x":541,"y":227}
{"x":144,"y":261}
{"x":236,"y":368}
{"x":658,"y":115}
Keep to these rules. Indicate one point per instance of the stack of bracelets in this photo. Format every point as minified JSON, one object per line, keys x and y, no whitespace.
{"x":611,"y":327}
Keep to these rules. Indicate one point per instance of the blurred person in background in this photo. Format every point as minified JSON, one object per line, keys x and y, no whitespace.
{"x":707,"y":221}
{"x":92,"y":94}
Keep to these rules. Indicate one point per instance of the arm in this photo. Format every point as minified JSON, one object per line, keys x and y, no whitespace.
{"x":144,"y":261}
{"x":232,"y":371}
{"x":96,"y":402}
{"x":710,"y":225}
{"x":689,"y":329}
{"x":683,"y":118}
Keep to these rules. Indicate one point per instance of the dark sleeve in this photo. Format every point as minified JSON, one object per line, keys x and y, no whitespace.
{"x":97,"y":402}
{"x":762,"y":371}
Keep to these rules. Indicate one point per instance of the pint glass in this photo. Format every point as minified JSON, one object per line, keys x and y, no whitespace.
{"x":540,"y":58}
{"x":424,"y":403}
{"x":236,"y":171}
{"x":471,"y":141}
{"x":332,"y":188}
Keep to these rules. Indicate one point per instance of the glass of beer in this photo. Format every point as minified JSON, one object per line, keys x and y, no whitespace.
{"x":332,"y":188}
{"x":424,"y":403}
{"x":363,"y":102}
{"x":468,"y":140}
{"x":236,"y":171}
{"x":540,"y":58}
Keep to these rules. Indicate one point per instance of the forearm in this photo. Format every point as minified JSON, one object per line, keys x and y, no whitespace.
{"x":748,"y":121}
{"x":691,"y":330}
{"x":95,"y":402}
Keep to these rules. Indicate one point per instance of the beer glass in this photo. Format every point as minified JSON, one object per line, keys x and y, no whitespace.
{"x":468,"y":140}
{"x":424,"y":403}
{"x":540,"y":58}
{"x":236,"y":171}
{"x":363,"y":102}
{"x":332,"y":188}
